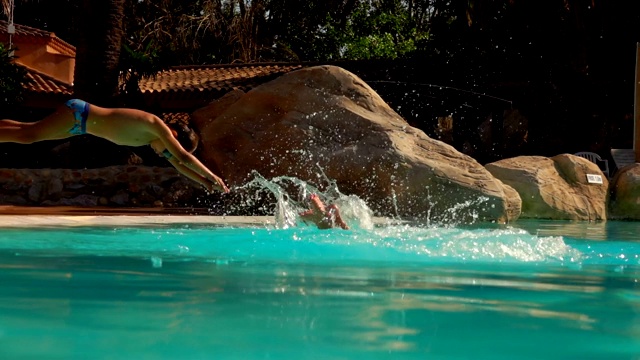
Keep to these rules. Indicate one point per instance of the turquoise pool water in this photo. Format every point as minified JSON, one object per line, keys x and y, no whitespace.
{"x":529,"y":290}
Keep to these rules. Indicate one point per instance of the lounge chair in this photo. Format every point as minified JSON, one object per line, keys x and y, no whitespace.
{"x":596,"y":159}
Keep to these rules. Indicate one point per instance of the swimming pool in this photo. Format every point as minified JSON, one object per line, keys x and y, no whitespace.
{"x":529,"y":290}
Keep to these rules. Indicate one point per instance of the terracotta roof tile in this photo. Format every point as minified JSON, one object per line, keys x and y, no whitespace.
{"x":182,"y":82}
{"x":194,"y":86}
{"x":38,"y":36}
{"x":214,"y":77}
{"x":183,"y":86}
{"x":176,"y":117}
{"x":39,"y":82}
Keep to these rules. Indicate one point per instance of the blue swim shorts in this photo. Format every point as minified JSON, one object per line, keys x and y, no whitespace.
{"x":80,"y":113}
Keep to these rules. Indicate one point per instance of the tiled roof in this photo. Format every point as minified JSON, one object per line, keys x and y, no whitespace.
{"x":214,"y":77}
{"x":176,"y":117}
{"x":181,"y":82}
{"x":29,"y":34}
{"x":39,"y":82}
{"x":188,"y":82}
{"x":189,"y":86}
{"x":182,"y":86}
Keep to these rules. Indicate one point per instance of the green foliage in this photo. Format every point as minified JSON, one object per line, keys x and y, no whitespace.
{"x":374,"y":33}
{"x":475,"y":34}
{"x":137,"y":64}
{"x":12,"y":78}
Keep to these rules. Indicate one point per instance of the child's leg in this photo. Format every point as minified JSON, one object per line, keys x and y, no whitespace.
{"x":13,"y":131}
{"x":53,"y":127}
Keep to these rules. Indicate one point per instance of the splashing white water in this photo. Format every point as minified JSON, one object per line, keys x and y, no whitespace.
{"x":411,"y":243}
{"x":291,"y":193}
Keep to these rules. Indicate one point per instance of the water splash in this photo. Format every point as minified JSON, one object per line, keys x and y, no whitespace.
{"x":290,"y":195}
{"x":388,"y":245}
{"x":508,"y":244}
{"x":469,"y":208}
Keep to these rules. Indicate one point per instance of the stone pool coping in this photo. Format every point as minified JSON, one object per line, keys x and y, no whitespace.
{"x":21,"y":217}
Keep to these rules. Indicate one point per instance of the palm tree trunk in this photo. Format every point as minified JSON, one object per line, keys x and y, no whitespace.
{"x":98,"y":50}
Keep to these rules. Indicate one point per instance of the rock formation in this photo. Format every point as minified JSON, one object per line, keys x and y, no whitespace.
{"x":325,"y":120}
{"x":625,"y":193}
{"x":555,"y":188}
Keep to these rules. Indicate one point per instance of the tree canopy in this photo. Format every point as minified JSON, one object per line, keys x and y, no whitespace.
{"x":497,"y":36}
{"x":225,"y":31}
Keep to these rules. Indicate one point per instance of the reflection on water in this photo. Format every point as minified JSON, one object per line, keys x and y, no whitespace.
{"x":586,"y":230}
{"x":398,"y":292}
{"x":107,"y":306}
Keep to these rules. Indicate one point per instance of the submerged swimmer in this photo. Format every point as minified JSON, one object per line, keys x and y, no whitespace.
{"x":129,"y":127}
{"x":324,"y":217}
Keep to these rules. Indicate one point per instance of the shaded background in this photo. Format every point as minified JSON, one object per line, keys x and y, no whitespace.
{"x":464,"y":72}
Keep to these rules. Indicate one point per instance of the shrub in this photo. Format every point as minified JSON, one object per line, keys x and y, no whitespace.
{"x":12,"y":79}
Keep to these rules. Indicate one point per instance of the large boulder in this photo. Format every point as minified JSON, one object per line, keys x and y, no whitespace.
{"x":625,"y":194}
{"x":325,"y":119}
{"x":555,"y":188}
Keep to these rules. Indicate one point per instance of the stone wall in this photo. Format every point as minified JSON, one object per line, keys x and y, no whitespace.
{"x":116,"y":186}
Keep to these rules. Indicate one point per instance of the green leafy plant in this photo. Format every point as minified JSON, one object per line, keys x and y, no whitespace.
{"x":12,"y":79}
{"x":136,"y":65}
{"x":372,"y":32}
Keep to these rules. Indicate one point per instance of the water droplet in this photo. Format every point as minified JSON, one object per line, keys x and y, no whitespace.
{"x":156,"y":262}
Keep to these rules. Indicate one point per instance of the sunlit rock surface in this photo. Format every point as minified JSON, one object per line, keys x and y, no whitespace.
{"x":625,"y":194}
{"x":327,"y":120}
{"x":555,"y":188}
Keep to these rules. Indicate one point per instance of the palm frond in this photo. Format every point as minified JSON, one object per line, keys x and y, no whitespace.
{"x":6,"y":6}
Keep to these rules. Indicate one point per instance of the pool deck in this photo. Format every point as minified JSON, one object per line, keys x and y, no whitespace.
{"x":18,"y":216}
{"x":21,"y":217}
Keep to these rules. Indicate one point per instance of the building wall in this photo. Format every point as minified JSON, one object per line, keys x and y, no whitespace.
{"x":46,"y":60}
